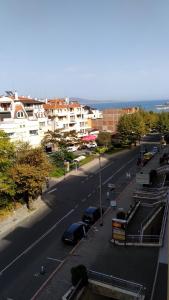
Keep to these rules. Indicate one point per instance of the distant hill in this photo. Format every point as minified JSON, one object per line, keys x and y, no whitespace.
{"x":86,"y":101}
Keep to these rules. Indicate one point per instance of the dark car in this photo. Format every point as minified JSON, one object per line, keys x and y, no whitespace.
{"x":75,"y":232}
{"x":91,"y":215}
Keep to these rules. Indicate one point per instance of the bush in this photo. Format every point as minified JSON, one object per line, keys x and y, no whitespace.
{"x":79,"y":273}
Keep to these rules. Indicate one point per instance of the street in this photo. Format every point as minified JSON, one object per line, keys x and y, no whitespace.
{"x":37,"y":242}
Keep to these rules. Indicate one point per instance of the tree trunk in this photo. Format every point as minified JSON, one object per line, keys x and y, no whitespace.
{"x":30,"y":203}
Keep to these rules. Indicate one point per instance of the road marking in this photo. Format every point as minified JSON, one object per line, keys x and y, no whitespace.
{"x":108,"y":179}
{"x":98,"y":171}
{"x":89,"y":195}
{"x":83,"y":200}
{"x":55,"y":259}
{"x":36,"y":242}
{"x":76,"y":206}
{"x":51,"y":191}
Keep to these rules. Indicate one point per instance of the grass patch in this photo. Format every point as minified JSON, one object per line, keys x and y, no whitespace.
{"x":87,"y":160}
{"x":57,"y":172}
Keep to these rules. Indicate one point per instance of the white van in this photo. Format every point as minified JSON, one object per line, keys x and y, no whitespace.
{"x":77,"y":159}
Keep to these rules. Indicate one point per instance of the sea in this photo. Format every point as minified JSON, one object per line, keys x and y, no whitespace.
{"x":149,"y":105}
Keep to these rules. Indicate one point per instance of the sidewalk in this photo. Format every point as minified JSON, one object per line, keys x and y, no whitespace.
{"x":120,"y":262}
{"x":91,"y":252}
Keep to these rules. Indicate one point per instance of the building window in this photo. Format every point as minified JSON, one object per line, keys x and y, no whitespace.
{"x":33,"y":132}
{"x":10,"y":133}
{"x":20,"y":114}
{"x":41,"y":124}
{"x":65,"y":125}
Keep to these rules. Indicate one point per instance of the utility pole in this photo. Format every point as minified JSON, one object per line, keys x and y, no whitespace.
{"x":100,"y":192}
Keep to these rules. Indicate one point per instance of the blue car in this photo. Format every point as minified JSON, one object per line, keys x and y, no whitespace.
{"x":75,"y":232}
{"x":91,"y":215}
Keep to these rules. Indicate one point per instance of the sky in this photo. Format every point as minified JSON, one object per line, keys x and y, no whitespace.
{"x":93,"y":49}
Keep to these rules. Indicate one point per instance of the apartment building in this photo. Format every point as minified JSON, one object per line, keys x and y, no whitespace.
{"x":110,"y":119}
{"x":67,"y":116}
{"x":23,"y":118}
{"x":27,"y":119}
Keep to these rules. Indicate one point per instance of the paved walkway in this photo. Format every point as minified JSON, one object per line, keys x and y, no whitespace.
{"x":97,"y":253}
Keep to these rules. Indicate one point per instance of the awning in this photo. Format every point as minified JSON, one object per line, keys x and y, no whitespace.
{"x":89,"y":138}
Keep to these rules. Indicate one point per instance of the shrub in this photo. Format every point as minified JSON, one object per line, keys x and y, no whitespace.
{"x":79,"y":273}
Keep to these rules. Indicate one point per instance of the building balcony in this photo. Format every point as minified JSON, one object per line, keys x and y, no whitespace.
{"x":4,"y":110}
{"x":28,"y":108}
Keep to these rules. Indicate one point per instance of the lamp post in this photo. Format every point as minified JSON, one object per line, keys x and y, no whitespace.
{"x":100,"y":192}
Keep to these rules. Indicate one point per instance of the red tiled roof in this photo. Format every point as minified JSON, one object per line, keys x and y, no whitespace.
{"x":57,"y":106}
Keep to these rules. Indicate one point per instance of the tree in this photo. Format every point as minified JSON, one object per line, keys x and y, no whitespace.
{"x":104,"y":138}
{"x":163,"y":122}
{"x":52,"y":137}
{"x":29,"y":172}
{"x":150,"y":119}
{"x":7,"y":156}
{"x":131,"y":127}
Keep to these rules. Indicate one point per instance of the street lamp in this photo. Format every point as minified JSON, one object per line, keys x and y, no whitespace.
{"x":100,"y":192}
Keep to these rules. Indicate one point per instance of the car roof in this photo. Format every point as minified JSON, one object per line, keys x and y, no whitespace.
{"x":74,"y":226}
{"x":90,"y":209}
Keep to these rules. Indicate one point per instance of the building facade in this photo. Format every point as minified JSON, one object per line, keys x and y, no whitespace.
{"x":23,"y":119}
{"x":67,"y":116}
{"x":110,"y":119}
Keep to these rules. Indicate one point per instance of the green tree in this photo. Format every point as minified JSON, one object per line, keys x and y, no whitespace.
{"x":131,"y":127}
{"x":29,"y":172}
{"x":7,"y":156}
{"x":163,"y":122}
{"x":52,"y":138}
{"x":104,"y":138}
{"x":150,"y":119}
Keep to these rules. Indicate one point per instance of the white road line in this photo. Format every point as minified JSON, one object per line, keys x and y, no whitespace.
{"x":51,"y":191}
{"x":104,"y":167}
{"x":83,"y":200}
{"x":55,"y":259}
{"x":76,"y":206}
{"x":36,"y":242}
{"x":89,"y":195}
{"x":108,"y":179}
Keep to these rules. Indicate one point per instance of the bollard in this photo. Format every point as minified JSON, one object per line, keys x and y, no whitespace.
{"x":42,"y":270}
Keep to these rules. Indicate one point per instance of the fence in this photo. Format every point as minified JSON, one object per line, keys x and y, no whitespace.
{"x":129,"y":286}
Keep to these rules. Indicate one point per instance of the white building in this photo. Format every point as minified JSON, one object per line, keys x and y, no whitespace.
{"x":23,"y":119}
{"x":27,"y":119}
{"x":67,"y":116}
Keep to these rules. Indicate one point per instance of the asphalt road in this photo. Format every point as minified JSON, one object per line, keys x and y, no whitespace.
{"x":37,"y":242}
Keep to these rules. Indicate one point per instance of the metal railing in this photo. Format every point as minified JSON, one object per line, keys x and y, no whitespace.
{"x":164,"y":223}
{"x":151,"y":214}
{"x":73,"y":291}
{"x":145,"y":239}
{"x":129,"y":286}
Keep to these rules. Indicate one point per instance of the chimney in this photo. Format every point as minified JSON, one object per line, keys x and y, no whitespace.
{"x":67,"y":100}
{"x":16,"y":95}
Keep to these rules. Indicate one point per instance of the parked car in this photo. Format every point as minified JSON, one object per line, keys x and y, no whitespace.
{"x":91,"y":215}
{"x":75,"y":232}
{"x":91,"y":145}
{"x":72,"y":148}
